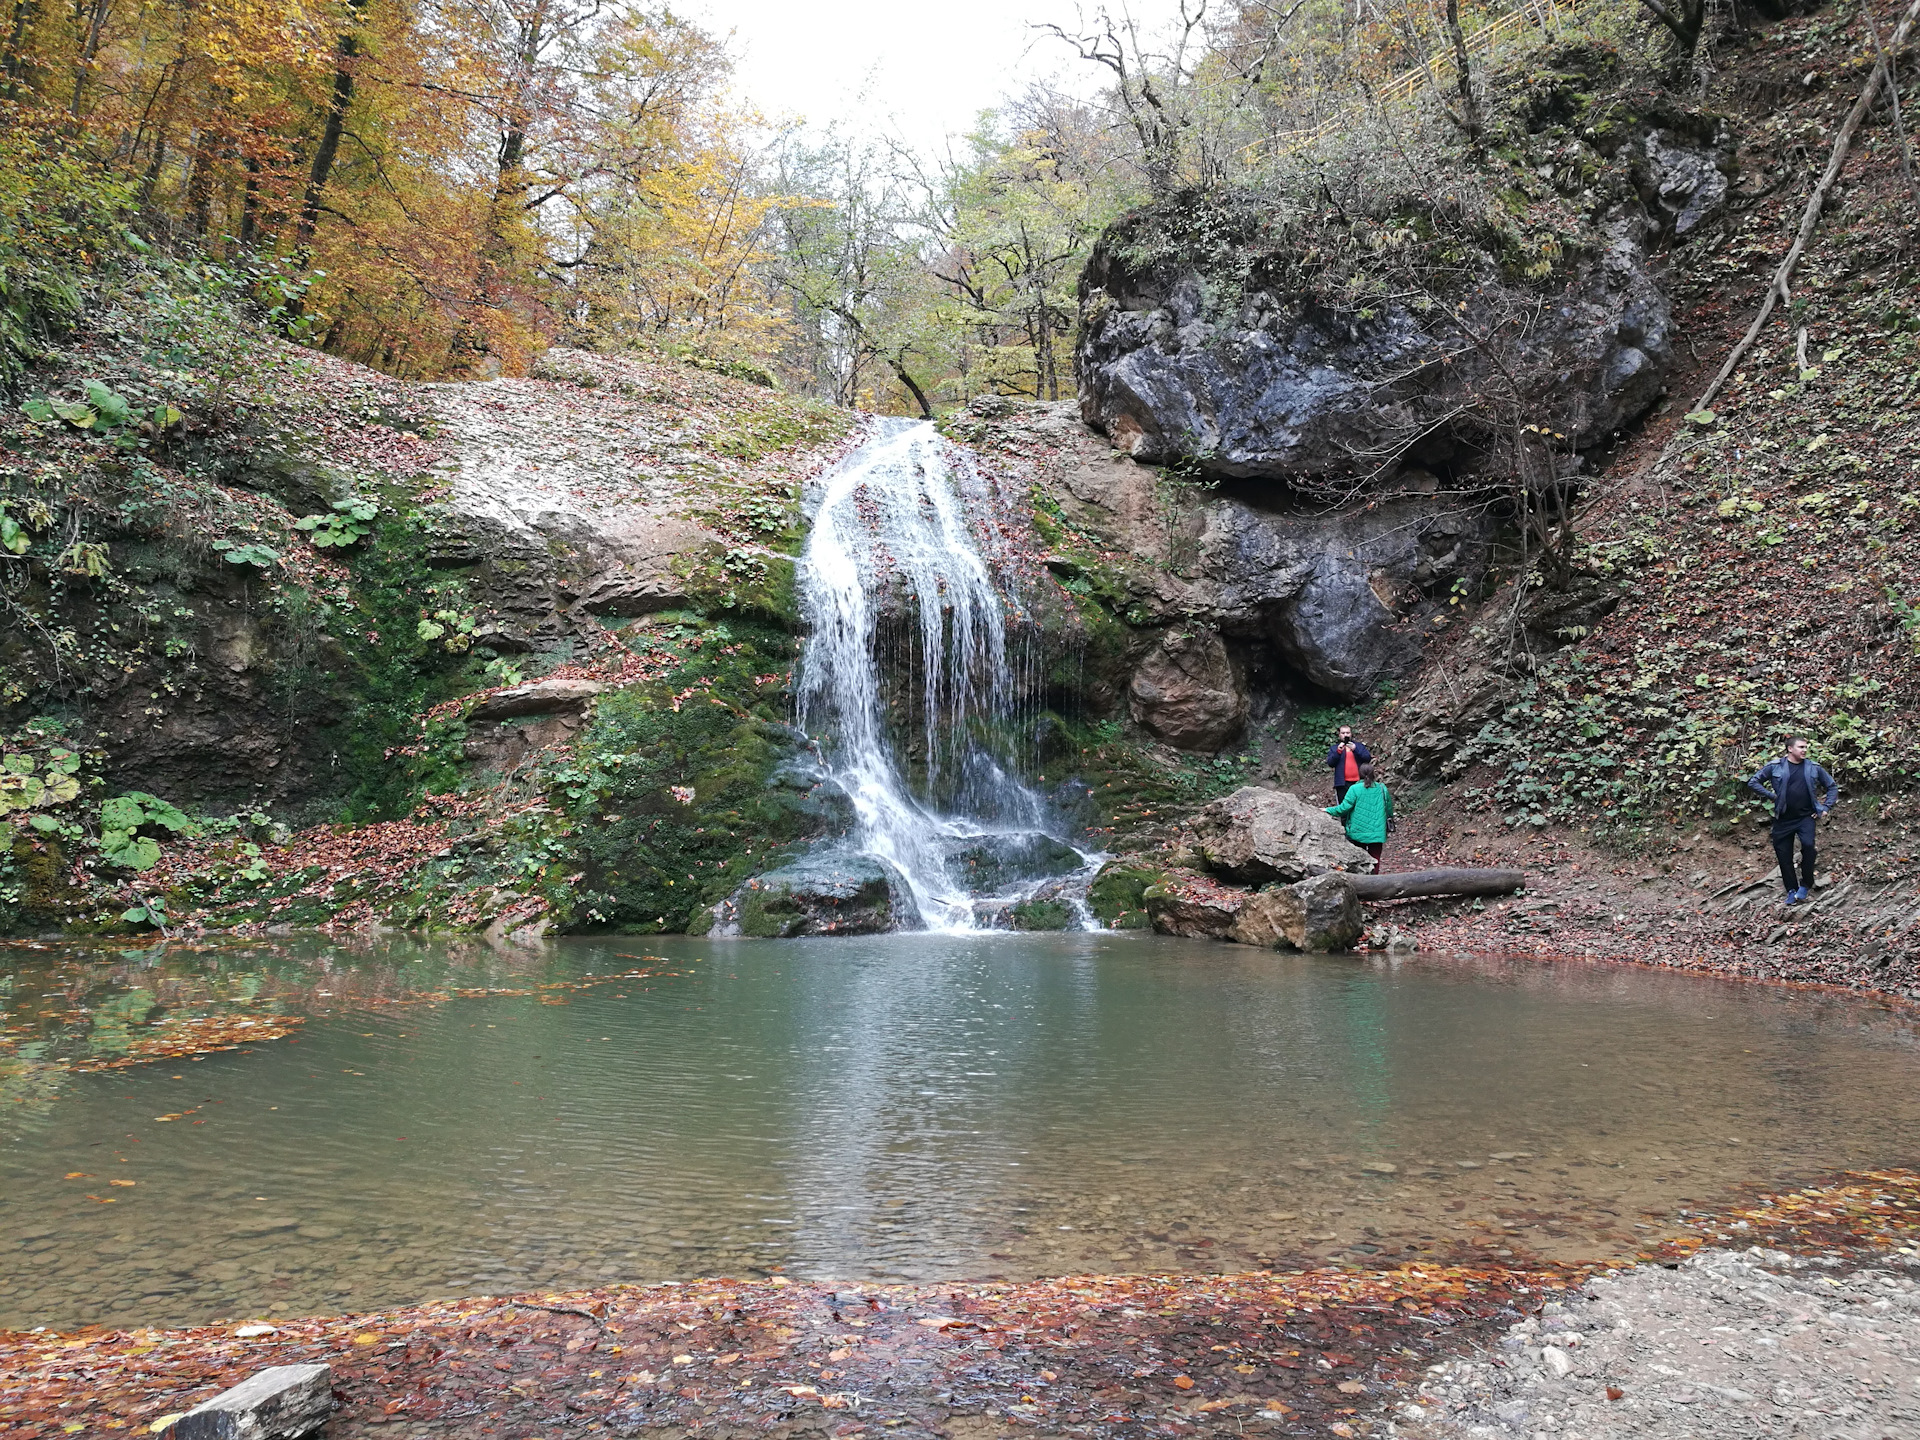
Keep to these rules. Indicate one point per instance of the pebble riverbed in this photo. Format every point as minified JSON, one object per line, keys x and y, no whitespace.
{"x":1730,"y":1345}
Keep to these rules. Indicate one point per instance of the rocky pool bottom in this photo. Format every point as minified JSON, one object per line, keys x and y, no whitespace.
{"x":441,"y":1121}
{"x":1418,"y":1350}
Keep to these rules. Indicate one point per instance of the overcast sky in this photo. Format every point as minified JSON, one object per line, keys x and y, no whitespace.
{"x":921,"y":70}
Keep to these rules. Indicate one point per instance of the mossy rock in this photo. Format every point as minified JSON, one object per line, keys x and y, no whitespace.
{"x":1118,"y":895}
{"x":1040,"y":915}
{"x":675,"y":790}
{"x":822,"y":895}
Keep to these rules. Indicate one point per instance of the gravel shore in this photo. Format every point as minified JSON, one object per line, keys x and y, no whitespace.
{"x":1730,"y":1345}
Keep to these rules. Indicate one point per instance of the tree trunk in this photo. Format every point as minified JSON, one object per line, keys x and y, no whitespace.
{"x":1469,"y":108}
{"x":919,"y":395}
{"x":89,"y":49}
{"x":16,"y":66}
{"x":1410,"y":883}
{"x":346,"y":49}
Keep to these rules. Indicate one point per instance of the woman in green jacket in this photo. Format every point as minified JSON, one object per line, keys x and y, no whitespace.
{"x":1367,"y":812}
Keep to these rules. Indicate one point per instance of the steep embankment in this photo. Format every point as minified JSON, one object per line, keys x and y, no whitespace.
{"x":1714,"y":583}
{"x":251,"y":588}
{"x":1763,"y":565}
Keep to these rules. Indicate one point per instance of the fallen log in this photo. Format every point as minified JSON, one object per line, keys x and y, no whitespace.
{"x":1406,"y":884}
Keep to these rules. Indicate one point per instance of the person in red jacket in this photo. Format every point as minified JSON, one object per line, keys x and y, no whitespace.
{"x":1344,"y":760}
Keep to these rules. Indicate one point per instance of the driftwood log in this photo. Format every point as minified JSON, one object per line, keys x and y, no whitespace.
{"x":1408,"y":883}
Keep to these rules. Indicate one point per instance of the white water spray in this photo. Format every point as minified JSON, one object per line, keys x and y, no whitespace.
{"x":890,"y":530}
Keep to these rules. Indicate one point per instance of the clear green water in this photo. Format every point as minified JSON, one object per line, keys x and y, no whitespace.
{"x":916,"y":1107}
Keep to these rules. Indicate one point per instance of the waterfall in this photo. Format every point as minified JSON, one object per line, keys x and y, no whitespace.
{"x":889,"y":536}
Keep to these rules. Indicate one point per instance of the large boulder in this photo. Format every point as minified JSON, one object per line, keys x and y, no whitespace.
{"x":1318,"y":915}
{"x":1258,"y":922}
{"x":1187,"y":691}
{"x":1256,"y":835}
{"x":831,"y":894}
{"x":1185,"y":355}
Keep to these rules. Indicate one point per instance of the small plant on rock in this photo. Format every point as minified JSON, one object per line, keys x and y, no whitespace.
{"x":349,"y":522}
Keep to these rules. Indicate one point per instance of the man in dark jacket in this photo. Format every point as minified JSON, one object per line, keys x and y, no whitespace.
{"x":1344,"y":760}
{"x":1801,"y":792}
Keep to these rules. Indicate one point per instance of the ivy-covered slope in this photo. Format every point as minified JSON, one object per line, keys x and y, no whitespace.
{"x":1750,"y":572}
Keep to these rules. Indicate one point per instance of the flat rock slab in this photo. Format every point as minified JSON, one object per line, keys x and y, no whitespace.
{"x":276,"y":1404}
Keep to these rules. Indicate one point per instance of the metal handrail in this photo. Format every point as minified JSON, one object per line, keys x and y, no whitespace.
{"x":1543,"y":14}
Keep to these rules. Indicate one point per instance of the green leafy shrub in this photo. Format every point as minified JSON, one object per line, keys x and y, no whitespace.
{"x":59,"y":215}
{"x":125,"y":816}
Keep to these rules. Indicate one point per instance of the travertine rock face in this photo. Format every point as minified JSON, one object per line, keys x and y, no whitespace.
{"x":1188,"y":692}
{"x":1256,"y":835}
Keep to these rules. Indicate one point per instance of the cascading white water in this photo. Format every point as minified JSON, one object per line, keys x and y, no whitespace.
{"x":889,"y":530}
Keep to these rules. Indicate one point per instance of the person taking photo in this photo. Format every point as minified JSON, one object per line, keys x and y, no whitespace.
{"x":1344,"y":760}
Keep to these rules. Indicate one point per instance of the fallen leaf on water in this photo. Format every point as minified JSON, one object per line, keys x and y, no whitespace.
{"x":78,"y":1175}
{"x":108,"y":1200}
{"x":123,"y":1182}
{"x":1183,"y":1382}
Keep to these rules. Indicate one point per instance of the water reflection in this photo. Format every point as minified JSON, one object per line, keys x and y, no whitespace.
{"x":904,"y":1106}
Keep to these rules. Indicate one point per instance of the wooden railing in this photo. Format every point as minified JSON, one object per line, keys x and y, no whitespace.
{"x":1531,"y":15}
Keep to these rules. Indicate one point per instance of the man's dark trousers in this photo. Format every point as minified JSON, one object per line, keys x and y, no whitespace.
{"x":1784,"y":832}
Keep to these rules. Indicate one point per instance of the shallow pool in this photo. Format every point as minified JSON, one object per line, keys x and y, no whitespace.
{"x":907,"y":1106}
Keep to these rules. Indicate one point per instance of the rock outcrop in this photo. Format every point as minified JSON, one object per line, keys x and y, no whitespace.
{"x":1324,"y":345}
{"x":1274,"y":382}
{"x":1256,"y":835}
{"x":1188,"y":692}
{"x":829,"y":894}
{"x":1338,"y":599}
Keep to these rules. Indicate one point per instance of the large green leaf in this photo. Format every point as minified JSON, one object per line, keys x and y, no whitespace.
{"x":123,"y":847}
{"x":123,"y":812}
{"x":114,"y":411}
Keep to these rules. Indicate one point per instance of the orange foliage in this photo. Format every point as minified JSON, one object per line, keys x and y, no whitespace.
{"x":458,"y":179}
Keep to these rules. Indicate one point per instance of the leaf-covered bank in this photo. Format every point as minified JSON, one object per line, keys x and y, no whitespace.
{"x":1300,"y":1353}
